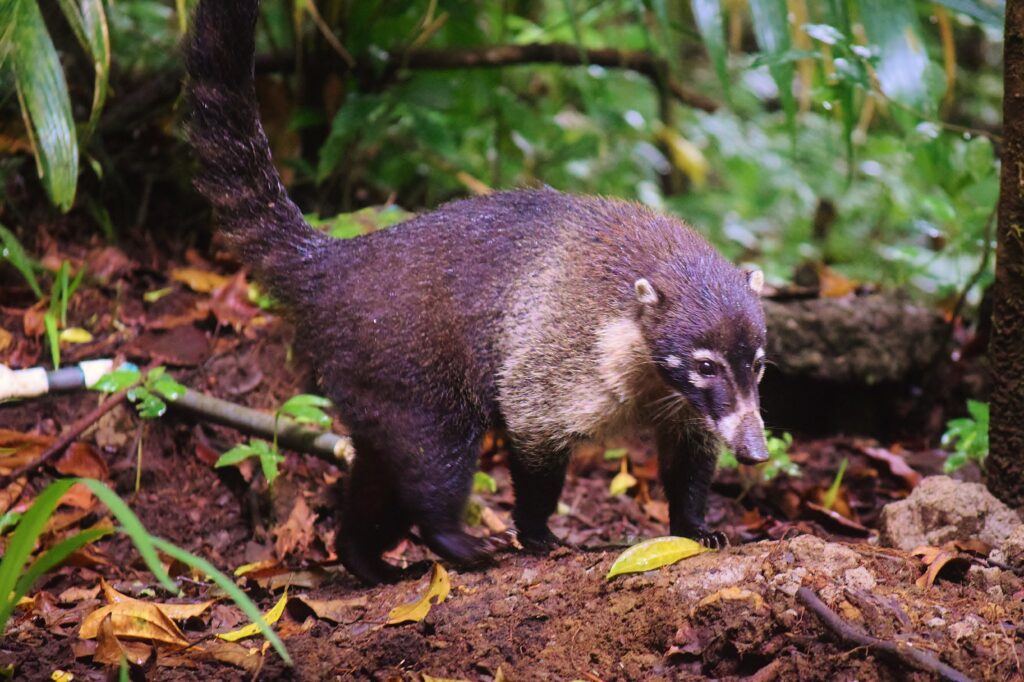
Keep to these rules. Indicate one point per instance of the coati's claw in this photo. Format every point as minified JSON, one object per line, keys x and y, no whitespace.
{"x":463,"y":549}
{"x":714,"y":539}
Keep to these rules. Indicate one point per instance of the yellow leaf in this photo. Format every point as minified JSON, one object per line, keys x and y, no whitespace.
{"x":135,"y":619}
{"x":437,"y":592}
{"x":201,"y":281}
{"x":686,"y":156}
{"x":75,"y":335}
{"x":271,"y":616}
{"x":654,"y":553}
{"x":431,"y":678}
{"x":255,"y":566}
{"x":623,"y":480}
{"x":61,"y":676}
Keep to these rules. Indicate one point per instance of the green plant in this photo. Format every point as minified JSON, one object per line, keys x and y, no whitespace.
{"x":17,"y":576}
{"x":56,"y":317}
{"x":967,"y":437}
{"x":778,"y":461}
{"x":304,"y":408}
{"x":829,"y":500}
{"x":27,"y":49}
{"x":146,"y":394}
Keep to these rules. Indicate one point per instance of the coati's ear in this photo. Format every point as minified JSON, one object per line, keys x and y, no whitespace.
{"x":755,"y":280}
{"x":645,"y":292}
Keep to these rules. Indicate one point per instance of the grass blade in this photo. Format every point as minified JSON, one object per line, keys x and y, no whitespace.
{"x":14,"y":252}
{"x":892,"y":26}
{"x":771,"y":28}
{"x":24,"y":540}
{"x":710,"y":23}
{"x":131,"y":525}
{"x":45,"y":105}
{"x":225,"y":583}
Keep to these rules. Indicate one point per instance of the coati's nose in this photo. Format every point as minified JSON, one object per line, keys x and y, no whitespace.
{"x":749,"y":444}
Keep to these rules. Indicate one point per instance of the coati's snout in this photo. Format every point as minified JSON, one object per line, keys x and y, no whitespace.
{"x":713,"y":357}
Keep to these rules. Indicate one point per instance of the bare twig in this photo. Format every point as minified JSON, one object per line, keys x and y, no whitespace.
{"x":899,"y":651}
{"x":65,"y":439}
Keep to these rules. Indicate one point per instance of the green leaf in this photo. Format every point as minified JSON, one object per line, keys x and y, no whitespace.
{"x":8,"y":521}
{"x":978,"y":410}
{"x":824,"y":33}
{"x":614,"y":453}
{"x":654,"y":553}
{"x":892,"y":26}
{"x":13,"y":251}
{"x":833,"y":490}
{"x":225,"y":583}
{"x":168,"y":387}
{"x":306,"y":400}
{"x":45,"y":105}
{"x":708,"y":15}
{"x":118,"y":380}
{"x":24,"y":540}
{"x":235,"y":455}
{"x":143,"y":541}
{"x":484,"y":483}
{"x":50,"y":322}
{"x":771,"y":28}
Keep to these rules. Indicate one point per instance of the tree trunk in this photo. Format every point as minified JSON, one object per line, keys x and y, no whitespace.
{"x":1006,"y":349}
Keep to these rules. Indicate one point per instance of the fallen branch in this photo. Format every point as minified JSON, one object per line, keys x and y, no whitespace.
{"x":65,"y":439}
{"x":899,"y":651}
{"x":325,"y":445}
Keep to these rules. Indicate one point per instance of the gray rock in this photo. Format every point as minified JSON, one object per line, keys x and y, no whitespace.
{"x":942,"y":509}
{"x":1011,"y":552}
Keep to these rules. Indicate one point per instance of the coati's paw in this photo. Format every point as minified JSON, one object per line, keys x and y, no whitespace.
{"x":372,"y":571}
{"x":541,"y":542}
{"x":462,"y":548}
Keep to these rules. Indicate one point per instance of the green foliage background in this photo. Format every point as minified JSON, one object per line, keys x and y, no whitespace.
{"x":840,"y":109}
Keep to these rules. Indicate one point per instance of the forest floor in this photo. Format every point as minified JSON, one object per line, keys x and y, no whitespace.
{"x":734,"y":613}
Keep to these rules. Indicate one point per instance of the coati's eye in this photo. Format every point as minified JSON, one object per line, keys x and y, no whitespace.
{"x":707,"y":368}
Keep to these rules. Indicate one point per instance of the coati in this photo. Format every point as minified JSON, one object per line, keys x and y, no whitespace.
{"x":560,"y":317}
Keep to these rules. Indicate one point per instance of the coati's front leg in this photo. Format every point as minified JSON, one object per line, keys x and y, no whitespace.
{"x":687,"y":459}
{"x":537,"y":479}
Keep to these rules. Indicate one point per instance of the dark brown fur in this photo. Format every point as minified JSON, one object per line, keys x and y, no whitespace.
{"x":517,"y":308}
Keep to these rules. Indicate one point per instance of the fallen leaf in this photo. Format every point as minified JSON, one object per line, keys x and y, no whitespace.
{"x":77,"y":594}
{"x":431,"y":678}
{"x":111,"y":651}
{"x":256,"y":566}
{"x":296,"y":533}
{"x":656,"y":510}
{"x":232,"y":653}
{"x":81,"y":459}
{"x":61,"y":676}
{"x":74,"y":335}
{"x":939,"y":560}
{"x":107,"y":263}
{"x":755,"y":601}
{"x":230,"y":303}
{"x":184,"y":346}
{"x":335,"y":610}
{"x":437,"y":592}
{"x":5,"y":339}
{"x":654,"y":553}
{"x":250,"y":630}
{"x":201,"y":281}
{"x":79,"y":497}
{"x":897,"y":465}
{"x":130,"y":617}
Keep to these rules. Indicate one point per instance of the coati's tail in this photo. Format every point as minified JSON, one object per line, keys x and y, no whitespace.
{"x":235,"y":170}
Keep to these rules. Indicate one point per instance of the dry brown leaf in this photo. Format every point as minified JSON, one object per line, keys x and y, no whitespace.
{"x":336,"y":610}
{"x":201,"y":281}
{"x":656,"y":510}
{"x":26,"y":448}
{"x":296,"y":533}
{"x":81,"y":459}
{"x":110,"y":650}
{"x":241,"y":656}
{"x":5,"y":339}
{"x":897,"y":465}
{"x":11,"y":494}
{"x":79,"y":497}
{"x":937,"y":560}
{"x":77,"y":594}
{"x":230,"y":303}
{"x":132,"y":618}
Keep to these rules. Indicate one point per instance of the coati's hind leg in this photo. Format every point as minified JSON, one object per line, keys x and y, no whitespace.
{"x":372,"y":520}
{"x":537,"y":479}
{"x":687,"y":459}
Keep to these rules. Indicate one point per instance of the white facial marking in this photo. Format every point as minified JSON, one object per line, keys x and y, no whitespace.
{"x":673,"y":361}
{"x":755,"y":279}
{"x":759,"y":355}
{"x":645,"y":292}
{"x":702,"y":354}
{"x":699,"y":380}
{"x":728,"y":425}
